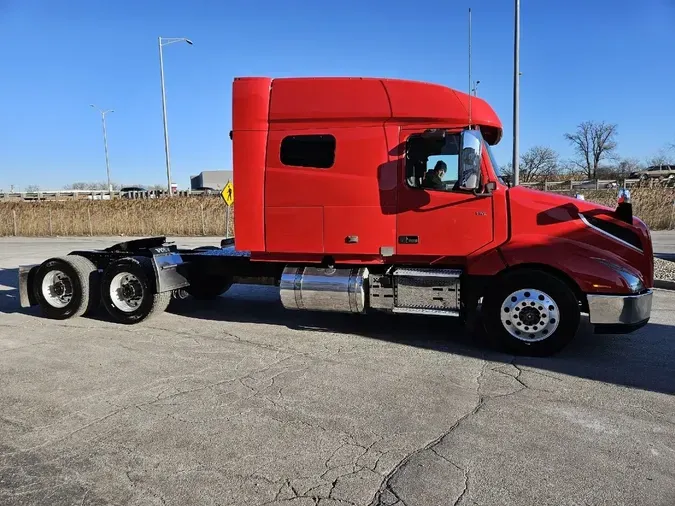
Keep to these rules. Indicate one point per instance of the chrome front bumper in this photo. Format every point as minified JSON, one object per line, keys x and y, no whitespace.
{"x":619,"y":309}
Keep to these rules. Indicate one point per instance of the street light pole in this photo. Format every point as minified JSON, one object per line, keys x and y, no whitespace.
{"x":163,"y":42}
{"x":470,"y":83}
{"x":516,"y":93}
{"x":105,"y":145}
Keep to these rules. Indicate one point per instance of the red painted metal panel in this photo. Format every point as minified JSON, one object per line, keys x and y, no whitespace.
{"x":546,"y":228}
{"x":446,"y":223}
{"x":359,"y":181}
{"x":250,"y":106}
{"x":415,"y":101}
{"x":368,"y":225}
{"x":294,"y":229}
{"x":328,"y":99}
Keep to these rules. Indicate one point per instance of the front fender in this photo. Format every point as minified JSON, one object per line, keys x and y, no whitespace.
{"x":584,"y":263}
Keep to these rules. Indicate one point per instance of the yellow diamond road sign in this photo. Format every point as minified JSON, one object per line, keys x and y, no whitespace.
{"x":228,"y":193}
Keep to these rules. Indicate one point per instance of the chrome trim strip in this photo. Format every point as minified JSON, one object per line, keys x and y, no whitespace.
{"x":420,"y":310}
{"x":428,"y":273}
{"x":619,"y":309}
{"x":607,"y":234}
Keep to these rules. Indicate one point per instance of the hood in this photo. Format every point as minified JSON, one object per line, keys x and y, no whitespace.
{"x":547,"y":215}
{"x":546,"y":201}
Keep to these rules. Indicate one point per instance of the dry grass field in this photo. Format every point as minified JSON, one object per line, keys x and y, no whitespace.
{"x":655,"y":206}
{"x":179,"y":216}
{"x":197,"y":216}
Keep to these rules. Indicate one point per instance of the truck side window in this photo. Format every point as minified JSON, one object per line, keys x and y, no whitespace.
{"x":432,"y":165}
{"x":317,"y":151}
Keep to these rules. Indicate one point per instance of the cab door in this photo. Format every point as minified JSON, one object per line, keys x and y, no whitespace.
{"x":439,"y":222}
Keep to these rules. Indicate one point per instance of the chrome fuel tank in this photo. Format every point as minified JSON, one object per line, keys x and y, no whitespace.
{"x":324,"y":289}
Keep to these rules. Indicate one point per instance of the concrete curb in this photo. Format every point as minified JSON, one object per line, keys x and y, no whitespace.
{"x":663,"y":284}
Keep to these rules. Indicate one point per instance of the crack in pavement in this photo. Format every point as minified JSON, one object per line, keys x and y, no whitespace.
{"x":466,"y":488}
{"x":385,"y":484}
{"x":482,"y":399}
{"x":287,"y":492}
{"x":6,"y":350}
{"x":149,"y":403}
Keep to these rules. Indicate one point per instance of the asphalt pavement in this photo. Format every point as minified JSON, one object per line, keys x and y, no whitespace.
{"x":663,"y":241}
{"x":241,"y":402}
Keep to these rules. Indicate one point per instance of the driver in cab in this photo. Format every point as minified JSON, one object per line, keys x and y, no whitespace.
{"x":434,"y":177}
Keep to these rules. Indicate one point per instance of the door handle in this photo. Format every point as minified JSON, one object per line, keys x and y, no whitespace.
{"x":408,"y":239}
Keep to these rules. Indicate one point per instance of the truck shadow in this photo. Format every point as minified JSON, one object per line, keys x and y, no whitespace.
{"x":643,"y":360}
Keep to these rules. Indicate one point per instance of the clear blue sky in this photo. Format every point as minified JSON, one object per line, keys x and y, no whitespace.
{"x":601,"y":59}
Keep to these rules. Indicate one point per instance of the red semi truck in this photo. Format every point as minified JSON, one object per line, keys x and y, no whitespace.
{"x":364,"y":194}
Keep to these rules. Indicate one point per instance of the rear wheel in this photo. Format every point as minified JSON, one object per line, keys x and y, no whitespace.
{"x":66,"y":287}
{"x":531,"y":312}
{"x":128,"y":291}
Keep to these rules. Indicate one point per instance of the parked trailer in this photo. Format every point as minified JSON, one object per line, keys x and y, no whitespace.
{"x":357,"y":195}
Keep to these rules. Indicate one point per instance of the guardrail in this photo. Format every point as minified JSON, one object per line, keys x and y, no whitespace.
{"x":550,"y":186}
{"x":591,"y":184}
{"x":97,"y":195}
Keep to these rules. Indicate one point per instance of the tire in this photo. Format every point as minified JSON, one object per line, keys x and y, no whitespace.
{"x":208,"y":288}
{"x":537,"y":298}
{"x":66,"y":287}
{"x":128,"y":291}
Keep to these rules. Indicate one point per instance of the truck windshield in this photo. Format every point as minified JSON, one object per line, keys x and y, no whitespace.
{"x":495,"y":165}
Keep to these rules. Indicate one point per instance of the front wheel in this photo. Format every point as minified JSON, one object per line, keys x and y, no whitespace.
{"x":531,"y":312}
{"x":128,"y":291}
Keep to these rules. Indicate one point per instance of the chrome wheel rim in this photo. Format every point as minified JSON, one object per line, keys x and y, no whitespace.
{"x":57,"y":289}
{"x":530,"y":315}
{"x":126,"y":292}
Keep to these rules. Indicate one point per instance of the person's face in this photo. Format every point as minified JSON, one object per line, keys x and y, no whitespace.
{"x":441,"y":173}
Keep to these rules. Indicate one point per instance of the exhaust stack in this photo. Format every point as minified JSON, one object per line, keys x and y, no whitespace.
{"x":624,"y":208}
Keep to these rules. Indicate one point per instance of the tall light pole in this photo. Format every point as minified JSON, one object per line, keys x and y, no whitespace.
{"x":105,"y":144}
{"x":516,"y":93}
{"x":470,"y":67}
{"x":163,"y":41}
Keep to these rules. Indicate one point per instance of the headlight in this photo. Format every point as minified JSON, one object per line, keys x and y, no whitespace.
{"x":634,"y":283}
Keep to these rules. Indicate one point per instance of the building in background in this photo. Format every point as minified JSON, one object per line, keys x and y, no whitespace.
{"x":210,"y":180}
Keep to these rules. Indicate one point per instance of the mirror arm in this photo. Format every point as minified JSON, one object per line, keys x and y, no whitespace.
{"x":486,"y":193}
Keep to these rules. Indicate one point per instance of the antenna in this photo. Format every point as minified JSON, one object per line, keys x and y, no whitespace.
{"x":469,"y":67}
{"x":516,"y":93}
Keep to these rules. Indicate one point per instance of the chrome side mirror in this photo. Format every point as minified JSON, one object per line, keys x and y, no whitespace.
{"x":469,"y":160}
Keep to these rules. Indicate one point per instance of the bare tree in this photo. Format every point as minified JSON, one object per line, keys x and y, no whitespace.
{"x":593,"y":143}
{"x":91,"y":186}
{"x":569,"y":168}
{"x":76,"y":186}
{"x":627,"y":166}
{"x":620,"y":170}
{"x":662,"y":157}
{"x":32,"y":188}
{"x":537,"y":163}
